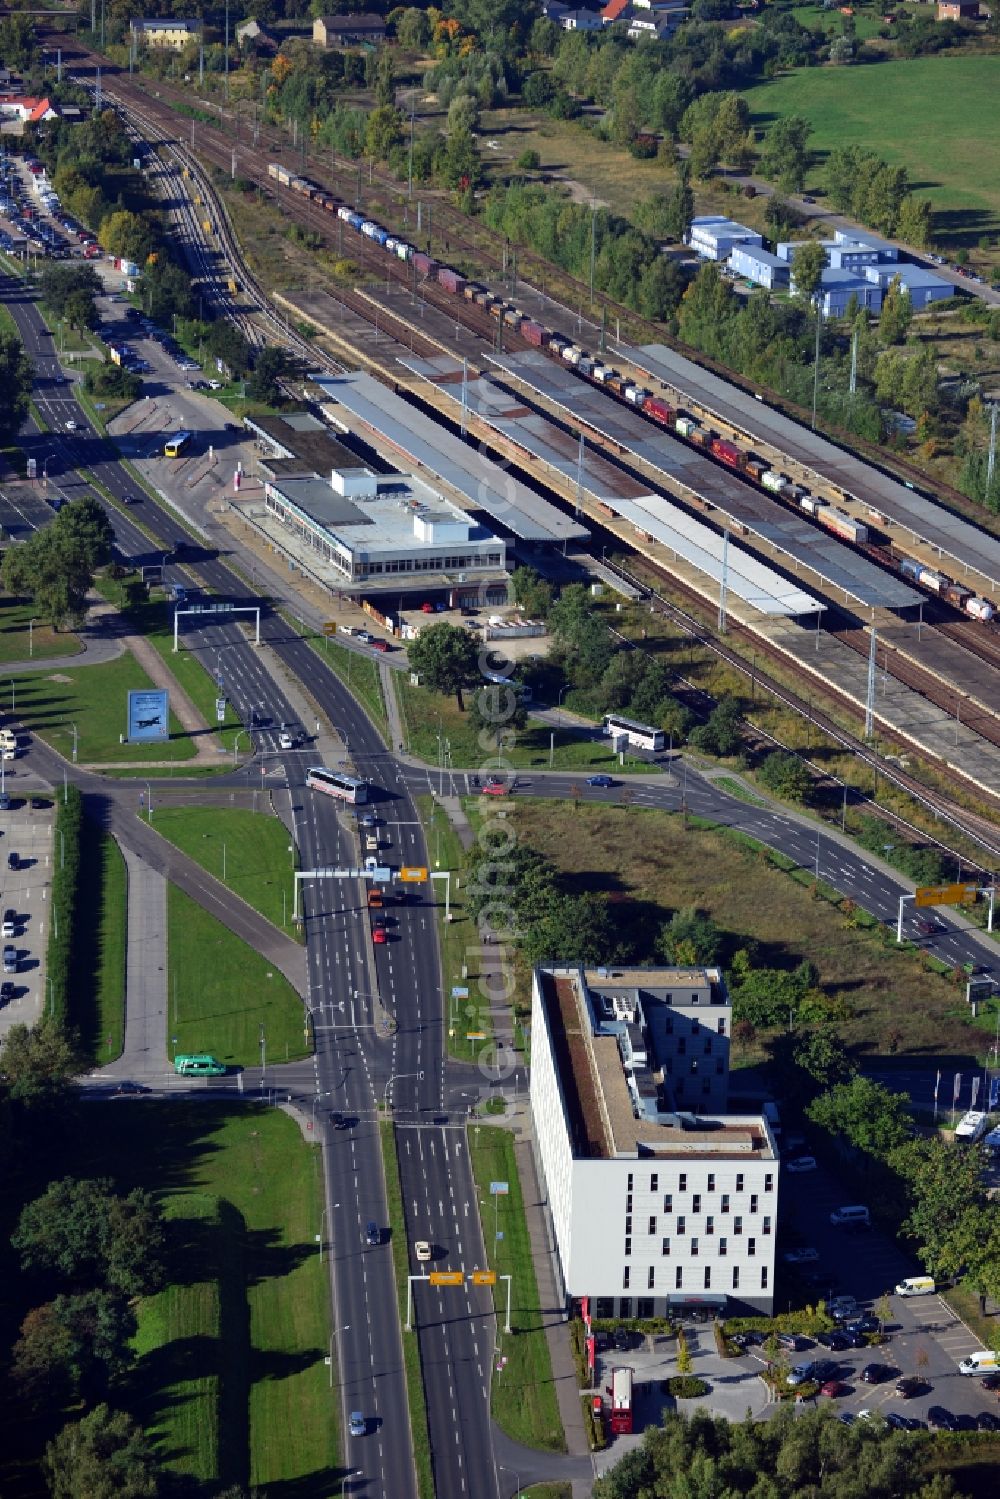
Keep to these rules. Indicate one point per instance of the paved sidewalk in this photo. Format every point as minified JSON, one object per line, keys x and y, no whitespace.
{"x":397,"y":734}
{"x":456,"y":816}
{"x":145,"y":1051}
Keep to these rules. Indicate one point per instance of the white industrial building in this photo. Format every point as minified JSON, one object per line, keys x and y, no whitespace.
{"x":659,"y":1200}
{"x":389,"y":532}
{"x":759,"y":266}
{"x":864,"y":266}
{"x":714,"y":237}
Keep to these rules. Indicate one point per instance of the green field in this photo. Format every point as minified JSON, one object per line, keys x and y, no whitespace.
{"x":247,"y":850}
{"x":866,"y":22}
{"x":932,"y":115}
{"x":97,"y":997}
{"x":221,"y":993}
{"x":15,"y":637}
{"x":523,"y":1395}
{"x":94,"y":698}
{"x":230,"y":1380}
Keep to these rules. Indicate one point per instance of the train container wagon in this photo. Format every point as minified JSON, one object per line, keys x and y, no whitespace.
{"x":659,"y":411}
{"x":512,"y":317}
{"x":774,"y":481}
{"x":617,"y":387}
{"x":844,"y":525}
{"x":381,"y":236}
{"x":275,"y":169}
{"x":469,"y":290}
{"x":354,"y":219}
{"x":700,"y":436}
{"x":956,"y":594}
{"x":586,"y":365}
{"x":423,"y":263}
{"x":602,"y":373}
{"x":301,"y":186}
{"x":756,"y":469}
{"x":911,"y":568}
{"x":572,"y":355}
{"x":343,"y":212}
{"x":450,"y":280}
{"x":636,"y":394}
{"x":795,"y":493}
{"x":534,"y":333}
{"x":726,"y":452}
{"x":403,"y":250}
{"x":811,"y":504}
{"x":932,"y":580}
{"x":980,"y":609}
{"x":684,"y":426}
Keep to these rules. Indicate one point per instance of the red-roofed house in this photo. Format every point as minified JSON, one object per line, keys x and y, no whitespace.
{"x":613,"y":10}
{"x":15,"y":108}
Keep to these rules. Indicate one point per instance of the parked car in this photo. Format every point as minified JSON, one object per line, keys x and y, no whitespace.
{"x":876,"y":1373}
{"x":833,"y":1388}
{"x":801,"y":1163}
{"x":789,"y":1341}
{"x":911,"y":1386}
{"x":10,"y":922}
{"x":803,"y":1256}
{"x":13,"y":862}
{"x":10,"y":960}
{"x":991,"y":1381}
{"x":802,"y":1373}
{"x":988,"y":1421}
{"x":6,"y":992}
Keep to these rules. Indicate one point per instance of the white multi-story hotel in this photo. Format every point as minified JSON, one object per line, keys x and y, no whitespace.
{"x":658,"y":1198}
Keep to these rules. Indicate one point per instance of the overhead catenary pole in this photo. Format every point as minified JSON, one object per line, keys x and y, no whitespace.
{"x":991,"y":459}
{"x":870,"y":699}
{"x":724,"y":583}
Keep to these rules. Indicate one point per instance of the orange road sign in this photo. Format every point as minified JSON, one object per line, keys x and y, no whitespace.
{"x":446,"y":1278}
{"x":944,"y":895}
{"x":330,"y":627}
{"x":483,"y":1277}
{"x":412,"y":876}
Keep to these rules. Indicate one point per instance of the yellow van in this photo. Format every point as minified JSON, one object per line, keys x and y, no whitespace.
{"x":917,"y":1285}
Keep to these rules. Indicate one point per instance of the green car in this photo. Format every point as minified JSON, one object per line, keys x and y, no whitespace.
{"x":199,"y":1066}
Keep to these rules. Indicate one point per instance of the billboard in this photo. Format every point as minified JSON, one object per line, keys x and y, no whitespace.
{"x":148,"y":716}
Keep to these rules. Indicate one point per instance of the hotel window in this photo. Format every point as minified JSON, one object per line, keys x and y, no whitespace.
{"x":725,"y":1202}
{"x":708,"y":1047}
{"x":665,"y":1247}
{"x":753,"y":1202}
{"x":710,"y":1225}
{"x":694,"y":1249}
{"x":720,"y":1067}
{"x":763,"y":1278}
{"x":668,"y":1202}
{"x":706,"y":1086}
{"x":736,"y":1277}
{"x":626,"y":1276}
{"x":739,"y":1181}
{"x":737,"y":1225}
{"x":696,"y":999}
{"x":680,"y":1224}
{"x":628,"y":1223}
{"x":651,"y":1279}
{"x":767,"y":1224}
{"x":721,"y":1027}
{"x":654,"y":1182}
{"x":769,"y":1182}
{"x":711,"y":1181}
{"x":630,"y":1181}
{"x":628,"y":1247}
{"x":681,"y":1046}
{"x":708,"y":1277}
{"x":682,"y":1182}
{"x":652,"y":1225}
{"x":679,"y":1278}
{"x":628,"y":1203}
{"x":696,"y":1203}
{"x":751,"y":1247}
{"x":644,"y":1307}
{"x":722,"y":1248}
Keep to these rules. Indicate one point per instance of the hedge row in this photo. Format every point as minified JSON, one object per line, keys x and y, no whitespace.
{"x":65,"y":887}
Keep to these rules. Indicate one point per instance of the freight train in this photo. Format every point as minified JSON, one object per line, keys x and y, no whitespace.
{"x":653,"y":407}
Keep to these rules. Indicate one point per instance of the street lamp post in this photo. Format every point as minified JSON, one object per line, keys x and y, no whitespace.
{"x":31,"y":637}
{"x":394,"y":1078}
{"x":76,"y":740}
{"x":236,"y":742}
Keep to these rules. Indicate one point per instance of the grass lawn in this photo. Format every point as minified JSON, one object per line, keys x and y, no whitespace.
{"x":867,"y":22}
{"x":470,"y":1027}
{"x":360,"y":674}
{"x":411,"y":1347}
{"x":229,"y":1379}
{"x":44,"y":641}
{"x":221,"y":992}
{"x":645,"y":860}
{"x":523,"y":1396}
{"x":927,"y":114}
{"x":95,"y":699}
{"x":97,"y":996}
{"x":258,"y":866}
{"x":548,"y":1491}
{"x":425,"y":712}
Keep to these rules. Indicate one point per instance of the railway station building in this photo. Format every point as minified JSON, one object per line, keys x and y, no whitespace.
{"x":659,"y":1199}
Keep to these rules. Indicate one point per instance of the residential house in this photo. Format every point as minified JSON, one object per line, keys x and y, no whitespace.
{"x":17,"y":110}
{"x":253,"y":33}
{"x":580,"y":20}
{"x":348,"y":31}
{"x":958,"y":10}
{"x":654,"y":22}
{"x":172,"y":33}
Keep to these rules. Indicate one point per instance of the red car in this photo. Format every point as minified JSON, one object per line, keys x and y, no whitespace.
{"x":496,"y":788}
{"x":833,"y":1387}
{"x":380,"y":645}
{"x":378,"y":936}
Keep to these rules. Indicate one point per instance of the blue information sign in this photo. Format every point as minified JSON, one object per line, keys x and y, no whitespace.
{"x":148,"y":716}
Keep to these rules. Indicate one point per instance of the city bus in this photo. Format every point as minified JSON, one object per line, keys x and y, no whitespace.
{"x":177,"y":446}
{"x":638,"y":735}
{"x":336,"y":783}
{"x":199,"y":1066}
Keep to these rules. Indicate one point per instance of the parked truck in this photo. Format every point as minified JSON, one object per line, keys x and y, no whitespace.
{"x":620,"y":1418}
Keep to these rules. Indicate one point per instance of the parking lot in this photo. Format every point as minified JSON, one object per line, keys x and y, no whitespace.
{"x":27,"y":835}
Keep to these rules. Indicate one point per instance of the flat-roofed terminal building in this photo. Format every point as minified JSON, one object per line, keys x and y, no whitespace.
{"x":659,"y":1199}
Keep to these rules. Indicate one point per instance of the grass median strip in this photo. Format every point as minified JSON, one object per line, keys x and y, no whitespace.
{"x":523,"y":1395}
{"x":247,"y":851}
{"x":411,"y":1346}
{"x":85,"y":707}
{"x":223,"y":997}
{"x":97,"y":995}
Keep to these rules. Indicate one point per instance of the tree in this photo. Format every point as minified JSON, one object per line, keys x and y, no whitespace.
{"x":531,"y":592}
{"x":690,"y":938}
{"x":704,"y":157}
{"x":943,"y":1184}
{"x":126,"y":234}
{"x":73,"y":1347}
{"x":896,"y":314}
{"x":444,"y":658}
{"x":85,"y":529}
{"x":808,"y":265}
{"x":683,"y":1358}
{"x":785,"y":775}
{"x":270,"y":367}
{"x":732,"y":122}
{"x":81,"y":311}
{"x":16,"y":378}
{"x":785,"y":155}
{"x":18,"y":42}
{"x":870,"y":1116}
{"x":83,"y":1230}
{"x":824,"y":1058}
{"x":497,"y":716}
{"x":920,"y":383}
{"x":538,"y":90}
{"x":226,"y":342}
{"x":104,"y":1456}
{"x":915,"y":225}
{"x":413,"y":30}
{"x":38,"y":1063}
{"x":721,"y":734}
{"x":58,"y":282}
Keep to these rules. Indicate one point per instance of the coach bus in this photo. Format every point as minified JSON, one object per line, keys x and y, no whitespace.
{"x":177,"y":446}
{"x":336,"y":783}
{"x":638,"y":735}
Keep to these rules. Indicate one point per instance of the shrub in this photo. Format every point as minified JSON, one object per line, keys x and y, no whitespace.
{"x":594,"y":1427}
{"x":529,"y":161}
{"x":685,"y":1387}
{"x":65,"y":885}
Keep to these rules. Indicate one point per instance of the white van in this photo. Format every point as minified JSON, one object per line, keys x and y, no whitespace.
{"x":916,"y":1285}
{"x":980,"y":1363}
{"x":855,"y":1213}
